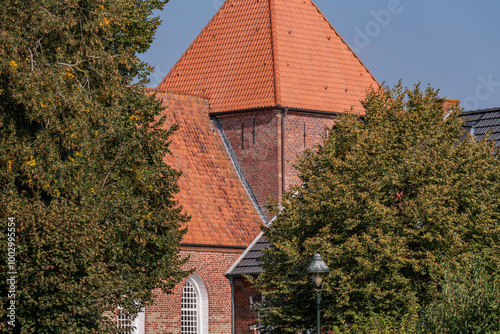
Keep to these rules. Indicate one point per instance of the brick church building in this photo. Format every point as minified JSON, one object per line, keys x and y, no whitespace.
{"x":264,"y":80}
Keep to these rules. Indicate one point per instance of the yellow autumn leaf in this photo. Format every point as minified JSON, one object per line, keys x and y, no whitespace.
{"x":68,"y":74}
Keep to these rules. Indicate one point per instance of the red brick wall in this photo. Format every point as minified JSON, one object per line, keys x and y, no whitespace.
{"x":243,"y":314}
{"x":164,"y":316}
{"x":302,"y":131}
{"x":256,"y":140}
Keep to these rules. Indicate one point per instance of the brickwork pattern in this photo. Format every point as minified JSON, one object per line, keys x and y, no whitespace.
{"x":449,"y":104}
{"x":244,"y":315}
{"x":254,"y":139}
{"x":164,"y":316}
{"x":253,"y":54}
{"x":302,"y":131}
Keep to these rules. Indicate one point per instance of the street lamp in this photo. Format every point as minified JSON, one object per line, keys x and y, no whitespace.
{"x":318,"y":268}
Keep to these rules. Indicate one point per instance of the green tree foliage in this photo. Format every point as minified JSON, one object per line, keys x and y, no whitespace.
{"x":379,"y":324}
{"x":81,"y":164}
{"x":382,"y":199}
{"x":468,"y":300}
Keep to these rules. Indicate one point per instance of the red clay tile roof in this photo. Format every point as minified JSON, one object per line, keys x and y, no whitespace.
{"x":211,"y":193}
{"x":266,"y":53}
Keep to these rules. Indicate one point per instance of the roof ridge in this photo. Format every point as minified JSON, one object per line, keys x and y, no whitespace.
{"x":274,"y":52}
{"x":480,"y":111}
{"x":343,"y":41}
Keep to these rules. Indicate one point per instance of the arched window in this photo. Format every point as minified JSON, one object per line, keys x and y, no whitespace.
{"x":194,"y":307}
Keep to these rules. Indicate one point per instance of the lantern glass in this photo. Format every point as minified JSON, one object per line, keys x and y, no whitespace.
{"x":318,"y":279}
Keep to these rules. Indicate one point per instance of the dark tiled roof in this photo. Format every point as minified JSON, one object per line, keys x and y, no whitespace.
{"x":270,"y":53}
{"x":480,"y":122}
{"x":249,"y":261}
{"x":222,"y":213}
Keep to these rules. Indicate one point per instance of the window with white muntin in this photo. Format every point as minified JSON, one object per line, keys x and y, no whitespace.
{"x":194,"y":307}
{"x":129,"y":324}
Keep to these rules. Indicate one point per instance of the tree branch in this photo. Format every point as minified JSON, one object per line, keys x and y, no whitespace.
{"x":72,"y":65}
{"x":50,"y":14}
{"x":110,"y":170}
{"x":65,"y":99}
{"x":35,"y":46}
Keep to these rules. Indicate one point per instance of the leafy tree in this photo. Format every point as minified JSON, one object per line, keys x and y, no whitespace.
{"x":468,"y":301}
{"x":383,"y":199}
{"x":81,"y":165}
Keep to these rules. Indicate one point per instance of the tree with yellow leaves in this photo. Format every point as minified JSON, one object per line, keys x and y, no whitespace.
{"x":82,"y":176}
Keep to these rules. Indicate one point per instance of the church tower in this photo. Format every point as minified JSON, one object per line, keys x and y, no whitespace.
{"x":275,"y":73}
{"x":264,"y":80}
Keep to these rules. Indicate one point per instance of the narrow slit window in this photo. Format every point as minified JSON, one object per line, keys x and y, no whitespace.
{"x":242,"y":136}
{"x":253,"y":132}
{"x":304,"y":134}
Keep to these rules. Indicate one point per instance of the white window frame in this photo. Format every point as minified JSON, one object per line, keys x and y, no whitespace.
{"x":201,"y":301}
{"x":139,"y":322}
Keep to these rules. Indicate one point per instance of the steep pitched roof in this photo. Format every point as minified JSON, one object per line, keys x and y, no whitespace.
{"x":222,"y":213}
{"x":480,"y":122}
{"x":266,"y":53}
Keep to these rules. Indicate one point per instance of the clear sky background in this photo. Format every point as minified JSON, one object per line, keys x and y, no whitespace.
{"x":453,"y":45}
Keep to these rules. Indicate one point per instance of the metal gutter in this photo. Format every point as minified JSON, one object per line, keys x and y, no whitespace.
{"x":276,"y":108}
{"x":232,"y":304}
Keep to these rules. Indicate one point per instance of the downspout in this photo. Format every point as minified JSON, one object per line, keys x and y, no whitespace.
{"x":283,"y":151}
{"x":232,"y":303}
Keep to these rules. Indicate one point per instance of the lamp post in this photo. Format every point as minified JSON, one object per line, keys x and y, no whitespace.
{"x":318,"y":268}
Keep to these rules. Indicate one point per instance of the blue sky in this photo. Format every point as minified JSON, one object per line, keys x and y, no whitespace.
{"x":454,"y":45}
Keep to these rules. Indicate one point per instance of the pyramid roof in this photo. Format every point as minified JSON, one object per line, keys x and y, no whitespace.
{"x":271,"y":53}
{"x":211,"y":192}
